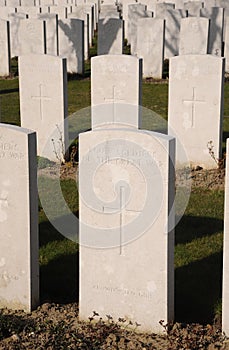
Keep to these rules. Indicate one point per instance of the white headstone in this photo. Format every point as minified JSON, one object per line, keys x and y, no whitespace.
{"x":162,"y":8}
{"x":150,"y":45}
{"x":15,"y":19}
{"x":216,"y":16}
{"x":226,"y":47}
{"x":19,"y":265}
{"x":196,"y":107}
{"x":12,"y":3}
{"x":84,"y":10}
{"x":61,"y":11}
{"x":51,"y":30}
{"x":4,"y":48}
{"x":43,"y":101}
{"x":225,"y":296}
{"x":31,"y":11}
{"x":71,"y":43}
{"x":5,"y":11}
{"x":110,"y":36}
{"x":115,"y":89}
{"x":85,"y":18}
{"x":134,"y":13}
{"x":126,"y":188}
{"x":172,"y":31}
{"x":31,"y":37}
{"x":194,"y":33}
{"x":193,"y":8}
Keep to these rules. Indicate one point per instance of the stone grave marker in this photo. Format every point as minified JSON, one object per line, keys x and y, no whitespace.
{"x":51,"y":30}
{"x":31,"y":11}
{"x":226,"y":47}
{"x":196,"y":107}
{"x":71,"y":43}
{"x":4,"y":48}
{"x":19,"y":265}
{"x":172,"y":31}
{"x":216,"y":16}
{"x":193,"y":8}
{"x":15,"y":19}
{"x":115,"y":89}
{"x":225,"y":291}
{"x":31,"y":37}
{"x":150,"y":45}
{"x":194,"y":34}
{"x":43,"y":101}
{"x":5,"y":11}
{"x":84,"y":17}
{"x":110,"y":36}
{"x":61,"y":11}
{"x":126,"y":190}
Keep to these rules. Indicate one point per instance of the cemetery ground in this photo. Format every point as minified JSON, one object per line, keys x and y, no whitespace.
{"x":198,"y":256}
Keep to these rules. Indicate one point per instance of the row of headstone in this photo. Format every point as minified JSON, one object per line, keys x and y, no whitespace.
{"x":133,"y":177}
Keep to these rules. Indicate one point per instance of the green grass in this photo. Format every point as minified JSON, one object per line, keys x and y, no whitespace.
{"x":199,"y":237}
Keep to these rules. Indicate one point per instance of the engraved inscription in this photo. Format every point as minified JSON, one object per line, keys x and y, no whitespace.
{"x":9,"y":150}
{"x":125,"y":291}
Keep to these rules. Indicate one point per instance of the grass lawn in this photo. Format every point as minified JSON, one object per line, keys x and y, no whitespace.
{"x":199,"y":235}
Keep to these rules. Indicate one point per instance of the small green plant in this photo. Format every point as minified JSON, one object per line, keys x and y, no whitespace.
{"x":43,"y":162}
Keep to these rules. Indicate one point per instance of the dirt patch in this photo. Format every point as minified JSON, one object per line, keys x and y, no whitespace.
{"x":54,"y":326}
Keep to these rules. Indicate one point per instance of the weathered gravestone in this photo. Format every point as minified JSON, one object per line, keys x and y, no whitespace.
{"x":216,"y":16}
{"x":15,"y":19}
{"x":85,"y":18}
{"x":43,"y":102}
{"x":225,"y":292}
{"x":226,"y":48}
{"x":51,"y":30}
{"x":126,"y":188}
{"x":134,"y":13}
{"x":172,"y":31}
{"x":4,"y":48}
{"x":196,"y":107}
{"x":150,"y":45}
{"x":194,"y":36}
{"x":71,"y":43}
{"x":115,"y":89}
{"x":193,"y":8}
{"x":19,"y":266}
{"x":31,"y":37}
{"x":110,"y":36}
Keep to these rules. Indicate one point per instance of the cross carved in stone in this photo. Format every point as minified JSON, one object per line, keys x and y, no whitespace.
{"x":121,"y":209}
{"x":113,"y":100}
{"x":41,"y":98}
{"x":193,"y":101}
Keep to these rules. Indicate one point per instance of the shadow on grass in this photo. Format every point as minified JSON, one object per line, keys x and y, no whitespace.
{"x":197,"y":290}
{"x":8,"y":91}
{"x":59,"y":280}
{"x":193,"y":227}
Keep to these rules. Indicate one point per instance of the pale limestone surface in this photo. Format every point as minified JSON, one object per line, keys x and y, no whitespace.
{"x":12,"y":3}
{"x":71,"y":43}
{"x":14,"y":19}
{"x":110,"y":36}
{"x":134,"y":13}
{"x":28,"y":2}
{"x":126,"y":188}
{"x":172,"y":31}
{"x":125,"y":10}
{"x":61,"y":11}
{"x":193,"y":8}
{"x":225,"y":291}
{"x":5,"y":11}
{"x":216,"y":16}
{"x":19,"y":265}
{"x":31,"y":11}
{"x":43,"y":101}
{"x":194,"y":34}
{"x":226,"y":48}
{"x":86,"y":10}
{"x":31,"y":37}
{"x":196,"y":107}
{"x":51,"y":27}
{"x":150,"y":45}
{"x":115,"y":89}
{"x":162,"y":8}
{"x":4,"y":48}
{"x":84,"y":17}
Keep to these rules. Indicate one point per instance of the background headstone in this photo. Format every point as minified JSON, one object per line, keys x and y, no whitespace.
{"x":194,"y":33}
{"x":43,"y":101}
{"x":196,"y":107}
{"x":150,"y":45}
{"x":110,"y":36}
{"x":19,"y":264}
{"x":4,"y":48}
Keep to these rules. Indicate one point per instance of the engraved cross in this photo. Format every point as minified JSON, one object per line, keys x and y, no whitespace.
{"x":113,"y":99}
{"x":194,"y":100}
{"x":41,"y":98}
{"x":121,"y":208}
